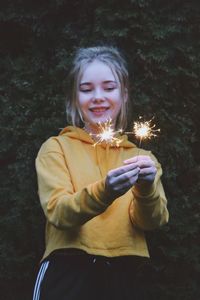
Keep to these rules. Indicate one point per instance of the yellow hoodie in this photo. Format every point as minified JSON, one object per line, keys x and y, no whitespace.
{"x":71,"y":180}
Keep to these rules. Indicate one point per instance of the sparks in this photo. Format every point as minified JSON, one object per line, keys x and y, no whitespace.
{"x":144,"y":130}
{"x":107,"y":134}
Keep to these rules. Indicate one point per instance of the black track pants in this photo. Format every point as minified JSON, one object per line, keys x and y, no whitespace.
{"x":74,"y":277}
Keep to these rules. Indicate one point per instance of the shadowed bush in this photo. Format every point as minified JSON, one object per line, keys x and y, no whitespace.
{"x":161,"y":42}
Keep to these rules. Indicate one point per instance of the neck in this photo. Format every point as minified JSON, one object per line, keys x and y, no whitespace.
{"x":97,"y":128}
{"x":91,"y":129}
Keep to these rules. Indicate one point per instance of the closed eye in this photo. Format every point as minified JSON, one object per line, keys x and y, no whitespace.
{"x":110,"y":85}
{"x":85,"y":90}
{"x":110,"y":88}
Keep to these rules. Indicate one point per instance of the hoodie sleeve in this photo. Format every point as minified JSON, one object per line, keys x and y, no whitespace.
{"x":63,"y":207}
{"x":148,"y":210}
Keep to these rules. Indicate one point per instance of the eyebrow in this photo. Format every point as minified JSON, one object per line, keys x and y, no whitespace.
{"x":106,"y":81}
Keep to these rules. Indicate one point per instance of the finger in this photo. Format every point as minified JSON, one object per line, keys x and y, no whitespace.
{"x":123,"y":169}
{"x":129,"y":178}
{"x":146,"y":164}
{"x":136,"y":159}
{"x":126,"y":185}
{"x":147,"y":178}
{"x":125,"y":177}
{"x":147,"y":171}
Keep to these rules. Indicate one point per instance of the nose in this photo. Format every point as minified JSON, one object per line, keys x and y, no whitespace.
{"x":98,"y":95}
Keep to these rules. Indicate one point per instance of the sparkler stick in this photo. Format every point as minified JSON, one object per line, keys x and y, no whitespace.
{"x":107,"y":134}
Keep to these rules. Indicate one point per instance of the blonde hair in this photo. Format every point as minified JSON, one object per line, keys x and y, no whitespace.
{"x":114,"y":60}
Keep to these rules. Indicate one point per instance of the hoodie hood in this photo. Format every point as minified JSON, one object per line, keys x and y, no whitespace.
{"x":81,"y":135}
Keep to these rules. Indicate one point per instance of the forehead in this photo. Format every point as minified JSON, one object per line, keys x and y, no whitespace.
{"x":97,"y":71}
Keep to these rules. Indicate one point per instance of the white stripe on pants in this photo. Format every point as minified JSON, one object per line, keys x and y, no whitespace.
{"x":40,"y":276}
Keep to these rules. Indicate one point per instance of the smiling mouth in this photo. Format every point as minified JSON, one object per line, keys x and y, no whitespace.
{"x":99,"y":109}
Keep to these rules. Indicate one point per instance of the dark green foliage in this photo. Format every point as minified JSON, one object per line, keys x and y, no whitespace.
{"x":161,"y":41}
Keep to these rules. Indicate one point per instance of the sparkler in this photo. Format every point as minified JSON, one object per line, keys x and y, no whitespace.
{"x":144,"y":130}
{"x":107,"y":134}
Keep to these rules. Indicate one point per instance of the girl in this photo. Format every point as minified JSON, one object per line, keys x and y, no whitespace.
{"x":98,"y":200}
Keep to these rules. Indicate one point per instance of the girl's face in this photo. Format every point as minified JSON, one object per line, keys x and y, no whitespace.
{"x":99,"y":95}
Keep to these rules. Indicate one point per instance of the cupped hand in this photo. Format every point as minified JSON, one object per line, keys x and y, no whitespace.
{"x":120,"y":180}
{"x":147,"y":168}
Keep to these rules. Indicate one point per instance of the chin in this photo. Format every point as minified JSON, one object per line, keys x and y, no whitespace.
{"x":103,"y":119}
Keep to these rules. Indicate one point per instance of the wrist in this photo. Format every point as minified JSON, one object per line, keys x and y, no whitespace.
{"x":144,"y":188}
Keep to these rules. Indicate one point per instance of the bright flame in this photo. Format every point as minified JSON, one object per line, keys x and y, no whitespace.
{"x":144,"y":130}
{"x":107,"y":134}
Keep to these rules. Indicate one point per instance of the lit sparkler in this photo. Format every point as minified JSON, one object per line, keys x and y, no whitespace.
{"x":144,"y":130}
{"x":107,"y":134}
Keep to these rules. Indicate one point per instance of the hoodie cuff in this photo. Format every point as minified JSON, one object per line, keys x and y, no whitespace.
{"x":144,"y":192}
{"x":96,"y":191}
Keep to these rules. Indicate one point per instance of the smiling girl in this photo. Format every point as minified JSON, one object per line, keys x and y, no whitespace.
{"x":98,"y":201}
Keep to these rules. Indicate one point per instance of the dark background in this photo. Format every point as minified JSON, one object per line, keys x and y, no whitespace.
{"x":161,"y":41}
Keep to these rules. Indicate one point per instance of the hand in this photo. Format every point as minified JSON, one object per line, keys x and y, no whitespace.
{"x":147,"y":168}
{"x":120,"y":180}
